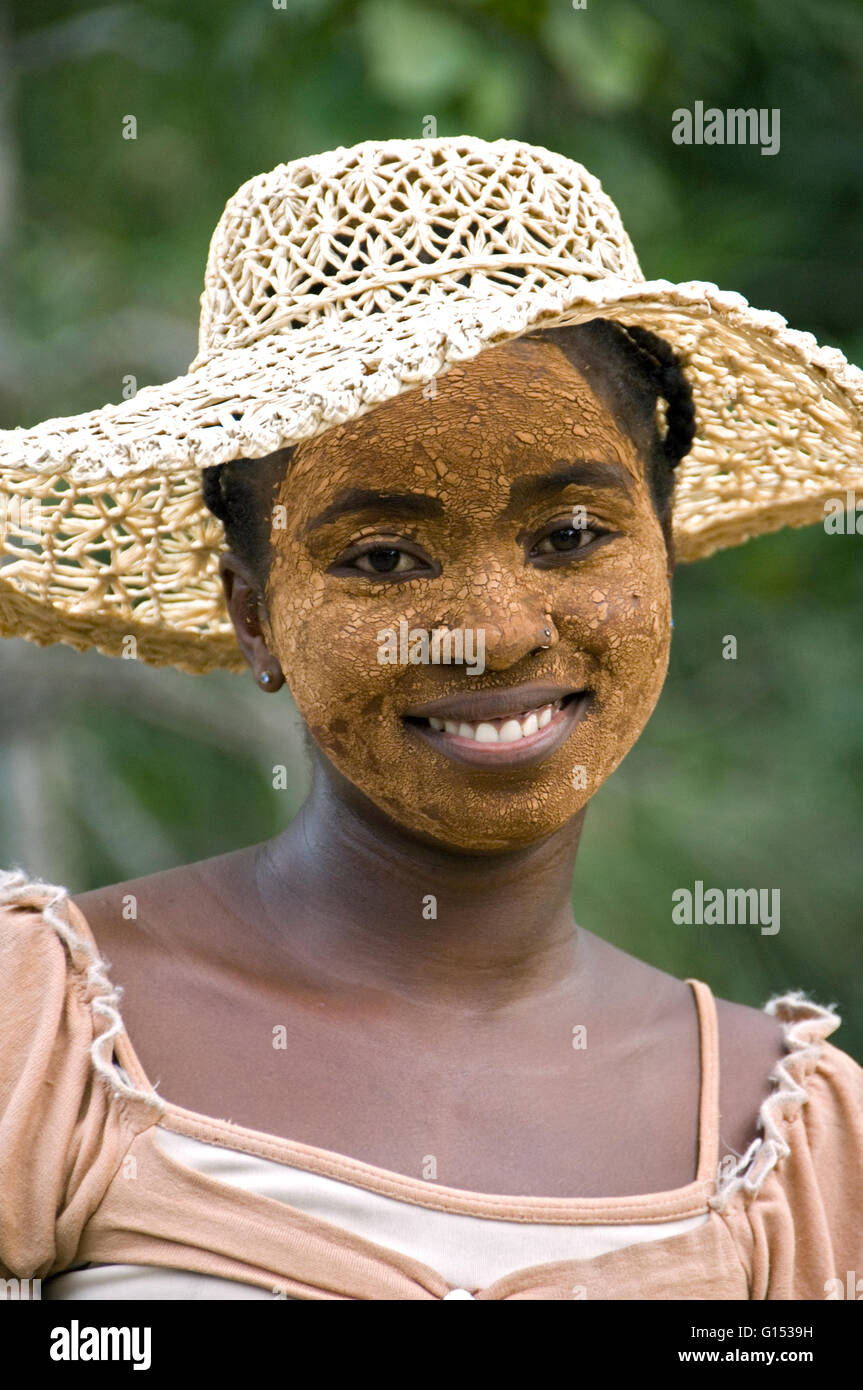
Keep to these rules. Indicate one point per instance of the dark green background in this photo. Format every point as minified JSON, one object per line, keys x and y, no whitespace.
{"x":749,"y":773}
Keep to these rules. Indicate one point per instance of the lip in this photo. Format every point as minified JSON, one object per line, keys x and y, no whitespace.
{"x":525,"y":751}
{"x":475,"y":705}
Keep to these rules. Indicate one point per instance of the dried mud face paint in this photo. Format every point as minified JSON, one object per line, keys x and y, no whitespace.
{"x":455,"y":510}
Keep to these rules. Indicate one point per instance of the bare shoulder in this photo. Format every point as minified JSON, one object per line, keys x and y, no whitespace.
{"x":112,"y":907}
{"x":751,"y":1043}
{"x":164,"y":906}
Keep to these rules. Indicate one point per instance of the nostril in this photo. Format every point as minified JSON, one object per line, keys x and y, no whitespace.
{"x":546,"y":643}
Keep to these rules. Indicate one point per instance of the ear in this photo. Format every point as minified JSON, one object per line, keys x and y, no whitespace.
{"x":247,"y":607}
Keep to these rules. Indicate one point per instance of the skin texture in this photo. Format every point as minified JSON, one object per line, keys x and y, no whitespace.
{"x":451,"y":1037}
{"x":516,"y":412}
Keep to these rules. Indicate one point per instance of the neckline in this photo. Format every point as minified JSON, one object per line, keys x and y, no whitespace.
{"x":690,"y":1199}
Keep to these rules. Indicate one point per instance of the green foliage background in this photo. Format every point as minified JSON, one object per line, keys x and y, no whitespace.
{"x":749,"y":774}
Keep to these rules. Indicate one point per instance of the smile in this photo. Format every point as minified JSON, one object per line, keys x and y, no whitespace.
{"x":526,"y":732}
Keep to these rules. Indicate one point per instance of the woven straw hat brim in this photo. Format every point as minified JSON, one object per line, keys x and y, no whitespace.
{"x":125,"y":547}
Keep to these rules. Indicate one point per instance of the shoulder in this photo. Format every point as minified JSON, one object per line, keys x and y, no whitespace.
{"x":113,"y":909}
{"x":171,"y":908}
{"x":821,"y":1084}
{"x":55,"y":994}
{"x":157,"y":933}
{"x":61,"y":1135}
{"x":751,"y":1046}
{"x":41,"y":955}
{"x":813,"y":1117}
{"x":750,"y":1042}
{"x":113,"y":903}
{"x":791,"y":1203}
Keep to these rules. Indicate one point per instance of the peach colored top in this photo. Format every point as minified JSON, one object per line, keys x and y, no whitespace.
{"x":85,"y":1180}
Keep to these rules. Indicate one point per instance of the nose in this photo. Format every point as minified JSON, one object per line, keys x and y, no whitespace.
{"x":511,"y":631}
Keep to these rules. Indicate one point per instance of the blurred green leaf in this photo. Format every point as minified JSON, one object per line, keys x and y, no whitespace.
{"x":417,"y":55}
{"x":609,"y":52}
{"x":495,"y":103}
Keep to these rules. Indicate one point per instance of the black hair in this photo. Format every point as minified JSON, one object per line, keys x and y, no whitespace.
{"x":242,"y":494}
{"x":631,"y":369}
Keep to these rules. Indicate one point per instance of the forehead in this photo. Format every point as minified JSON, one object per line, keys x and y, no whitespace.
{"x":518,"y":409}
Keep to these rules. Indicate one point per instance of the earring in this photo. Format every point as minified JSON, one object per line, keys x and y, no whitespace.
{"x":266,"y":679}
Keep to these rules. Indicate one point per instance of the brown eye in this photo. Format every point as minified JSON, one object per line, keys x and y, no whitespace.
{"x":383,"y":559}
{"x":388,"y":561}
{"x":567,"y":540}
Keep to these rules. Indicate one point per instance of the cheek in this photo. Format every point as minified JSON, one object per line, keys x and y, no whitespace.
{"x":625,"y":600}
{"x":639,"y":640}
{"x":327,"y":644}
{"x":621,"y":620}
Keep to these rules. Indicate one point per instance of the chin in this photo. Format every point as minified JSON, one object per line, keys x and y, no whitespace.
{"x":487,"y":829}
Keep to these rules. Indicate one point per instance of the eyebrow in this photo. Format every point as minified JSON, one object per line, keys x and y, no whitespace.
{"x":584,"y":472}
{"x":530,"y":488}
{"x":394,"y":504}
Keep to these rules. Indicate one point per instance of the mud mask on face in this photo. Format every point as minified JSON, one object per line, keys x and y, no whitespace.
{"x":478,"y":552}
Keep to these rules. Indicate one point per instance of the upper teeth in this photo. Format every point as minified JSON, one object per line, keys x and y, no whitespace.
{"x":507,"y":730}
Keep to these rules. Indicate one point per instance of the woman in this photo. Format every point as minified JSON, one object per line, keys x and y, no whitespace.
{"x":438,"y":1084}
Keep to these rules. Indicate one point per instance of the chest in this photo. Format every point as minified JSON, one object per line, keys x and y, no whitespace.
{"x":527,"y":1106}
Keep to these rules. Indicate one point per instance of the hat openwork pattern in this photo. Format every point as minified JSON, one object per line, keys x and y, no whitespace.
{"x":359,"y":232}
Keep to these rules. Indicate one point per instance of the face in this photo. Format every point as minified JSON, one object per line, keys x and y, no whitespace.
{"x":506,"y":507}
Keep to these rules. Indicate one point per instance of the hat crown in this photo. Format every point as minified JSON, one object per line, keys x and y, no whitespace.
{"x":361,"y":230}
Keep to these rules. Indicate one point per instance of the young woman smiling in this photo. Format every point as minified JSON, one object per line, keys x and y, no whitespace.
{"x":438,"y":1083}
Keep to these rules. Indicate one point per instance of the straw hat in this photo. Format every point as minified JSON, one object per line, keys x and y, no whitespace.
{"x":338,"y":281}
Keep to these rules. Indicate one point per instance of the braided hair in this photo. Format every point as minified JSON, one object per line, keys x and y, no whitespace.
{"x":634,"y":372}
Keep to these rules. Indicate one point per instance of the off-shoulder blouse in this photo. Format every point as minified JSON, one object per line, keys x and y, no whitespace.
{"x":97,"y":1170}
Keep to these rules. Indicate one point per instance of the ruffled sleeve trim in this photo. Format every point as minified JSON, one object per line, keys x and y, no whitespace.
{"x":806,"y":1026}
{"x":89,"y":973}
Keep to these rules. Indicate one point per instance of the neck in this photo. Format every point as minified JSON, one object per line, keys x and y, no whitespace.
{"x":352,"y":894}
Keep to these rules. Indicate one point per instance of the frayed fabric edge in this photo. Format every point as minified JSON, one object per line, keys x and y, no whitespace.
{"x":17,"y":887}
{"x":803,"y":1039}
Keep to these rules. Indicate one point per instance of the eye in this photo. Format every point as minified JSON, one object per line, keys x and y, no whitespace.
{"x":383,"y":561}
{"x":570,"y":540}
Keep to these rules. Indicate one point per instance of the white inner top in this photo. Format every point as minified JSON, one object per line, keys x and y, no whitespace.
{"x":469,"y":1251}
